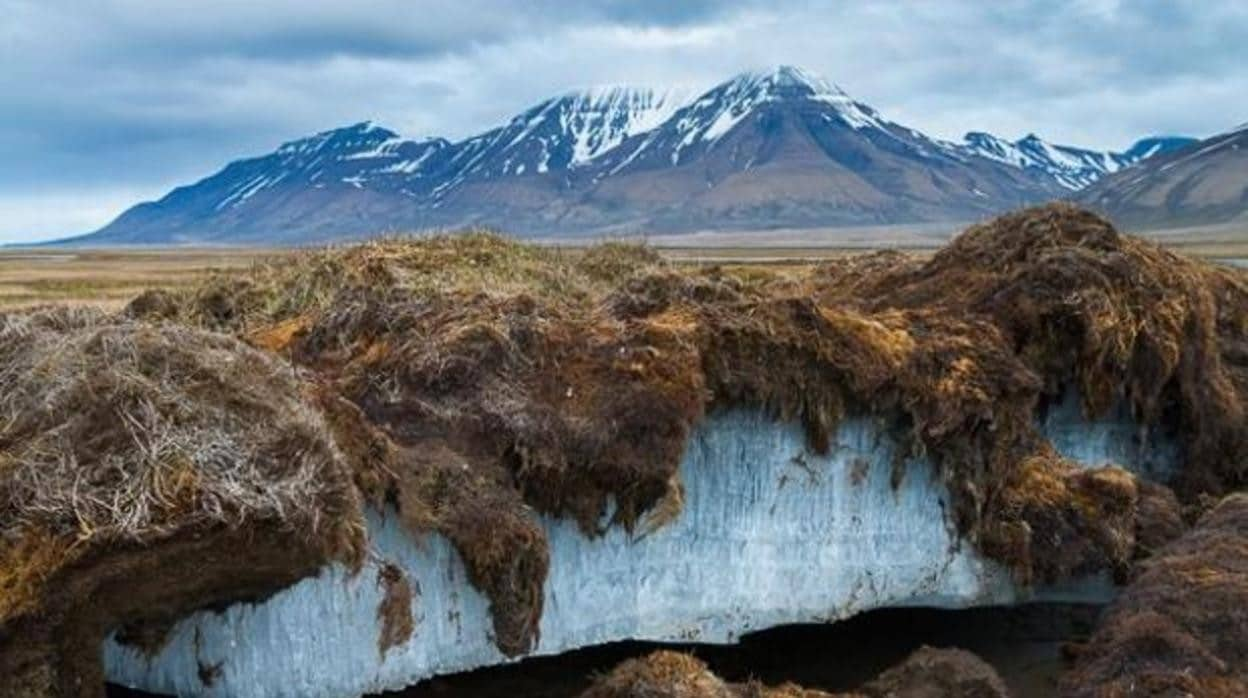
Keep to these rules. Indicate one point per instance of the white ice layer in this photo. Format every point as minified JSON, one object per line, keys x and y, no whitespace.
{"x":1115,"y":438}
{"x":770,"y":534}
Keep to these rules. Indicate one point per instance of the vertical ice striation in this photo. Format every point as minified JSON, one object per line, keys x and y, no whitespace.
{"x":770,"y":533}
{"x":1114,"y":438}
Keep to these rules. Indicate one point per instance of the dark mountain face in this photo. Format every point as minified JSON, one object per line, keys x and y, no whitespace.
{"x":1200,"y":184}
{"x":1150,"y":147}
{"x":781,"y":148}
{"x":321,"y":183}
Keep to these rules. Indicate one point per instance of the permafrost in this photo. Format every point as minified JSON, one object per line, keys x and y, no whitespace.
{"x":770,"y":533}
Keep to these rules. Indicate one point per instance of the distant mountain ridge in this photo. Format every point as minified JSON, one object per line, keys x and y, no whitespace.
{"x":1072,"y":168}
{"x":1204,"y":183}
{"x":776,"y":148}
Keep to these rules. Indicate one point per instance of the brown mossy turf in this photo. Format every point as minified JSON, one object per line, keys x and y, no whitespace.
{"x":497,"y":378}
{"x":927,"y":673}
{"x":146,"y":471}
{"x":395,"y":610}
{"x":667,"y":674}
{"x":931,"y":672}
{"x":1118,"y":317}
{"x":1181,"y":627}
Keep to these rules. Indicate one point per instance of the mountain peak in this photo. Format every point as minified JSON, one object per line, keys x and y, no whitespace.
{"x":787,"y":80}
{"x":792,"y":76}
{"x":364,"y":134}
{"x":1071,"y":167}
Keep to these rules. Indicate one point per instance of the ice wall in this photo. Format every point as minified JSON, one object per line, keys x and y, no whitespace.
{"x":1114,"y":438}
{"x":770,"y":534}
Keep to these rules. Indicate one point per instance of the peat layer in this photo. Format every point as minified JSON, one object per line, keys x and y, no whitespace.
{"x":1181,"y":627}
{"x":146,"y":470}
{"x":928,"y":673}
{"x":468,"y":381}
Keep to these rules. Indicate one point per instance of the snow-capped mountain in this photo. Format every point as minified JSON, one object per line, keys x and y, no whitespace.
{"x":716,"y":113}
{"x":1203,"y":183}
{"x":1072,"y":168}
{"x":776,"y":148}
{"x":787,"y":148}
{"x":563,"y":133}
{"x":697,"y":127}
{"x":357,"y":155}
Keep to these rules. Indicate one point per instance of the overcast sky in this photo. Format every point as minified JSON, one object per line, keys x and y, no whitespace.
{"x":107,"y":102}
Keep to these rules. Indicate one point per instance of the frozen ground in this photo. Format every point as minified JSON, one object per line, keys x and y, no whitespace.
{"x":770,"y":534}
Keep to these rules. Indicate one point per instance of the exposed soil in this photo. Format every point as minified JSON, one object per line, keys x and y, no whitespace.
{"x":395,"y":610}
{"x":146,"y":471}
{"x":57,"y":651}
{"x":1181,"y":627}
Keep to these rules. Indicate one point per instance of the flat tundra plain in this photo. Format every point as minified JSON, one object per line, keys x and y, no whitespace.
{"x":109,"y":278}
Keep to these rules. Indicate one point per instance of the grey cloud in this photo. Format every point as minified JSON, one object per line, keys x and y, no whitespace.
{"x":131,"y":95}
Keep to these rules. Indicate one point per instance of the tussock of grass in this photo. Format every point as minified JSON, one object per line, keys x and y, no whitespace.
{"x":118,"y":433}
{"x":1181,"y":627}
{"x":661,"y":675}
{"x":926,"y":672}
{"x":319,"y":281}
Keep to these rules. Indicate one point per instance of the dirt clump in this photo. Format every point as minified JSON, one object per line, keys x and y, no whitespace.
{"x":927,"y":673}
{"x":938,"y":673}
{"x":1116,"y":316}
{"x":667,"y":674}
{"x":395,"y":610}
{"x":147,"y":471}
{"x":1181,"y":627}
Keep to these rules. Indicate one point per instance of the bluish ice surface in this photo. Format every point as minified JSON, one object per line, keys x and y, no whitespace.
{"x":770,"y":533}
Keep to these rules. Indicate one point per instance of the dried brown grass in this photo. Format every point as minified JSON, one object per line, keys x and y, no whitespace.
{"x":116,"y":433}
{"x":667,"y":674}
{"x":1181,"y":627}
{"x":926,"y":673}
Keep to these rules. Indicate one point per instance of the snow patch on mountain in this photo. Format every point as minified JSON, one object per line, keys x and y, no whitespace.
{"x":1071,"y":167}
{"x":599,"y":119}
{"x":717,"y":112}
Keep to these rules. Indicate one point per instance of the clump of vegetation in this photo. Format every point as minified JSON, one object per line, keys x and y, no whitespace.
{"x":674,"y":675}
{"x":1181,"y":627}
{"x":926,"y":672}
{"x":124,"y":445}
{"x":1118,"y":317}
{"x":320,"y":281}
{"x":663,"y":675}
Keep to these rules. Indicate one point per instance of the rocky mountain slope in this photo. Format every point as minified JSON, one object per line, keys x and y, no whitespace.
{"x":780,"y":148}
{"x":1203,"y":183}
{"x":1072,"y":168}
